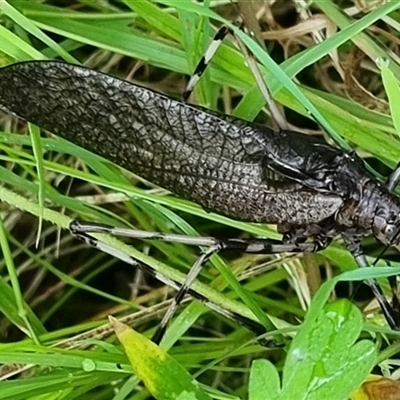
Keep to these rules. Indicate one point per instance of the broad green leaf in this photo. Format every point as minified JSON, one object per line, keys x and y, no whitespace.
{"x":324,"y":360}
{"x":264,"y":381}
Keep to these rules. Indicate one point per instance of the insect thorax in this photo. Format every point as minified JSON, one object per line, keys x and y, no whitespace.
{"x":371,"y":210}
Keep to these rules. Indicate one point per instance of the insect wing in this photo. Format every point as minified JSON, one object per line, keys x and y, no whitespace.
{"x":212,"y":160}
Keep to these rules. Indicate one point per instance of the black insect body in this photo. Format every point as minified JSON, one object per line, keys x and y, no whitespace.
{"x":311,"y":190}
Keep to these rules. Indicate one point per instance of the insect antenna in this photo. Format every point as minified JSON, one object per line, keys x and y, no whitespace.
{"x":202,"y":65}
{"x":278,"y":119}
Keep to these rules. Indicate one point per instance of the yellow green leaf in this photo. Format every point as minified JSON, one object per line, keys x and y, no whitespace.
{"x":162,"y":375}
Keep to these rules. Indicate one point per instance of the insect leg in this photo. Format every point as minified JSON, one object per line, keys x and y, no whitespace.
{"x":387,"y":309}
{"x":256,"y":246}
{"x":248,"y":323}
{"x":192,"y":275}
{"x":355,"y":248}
{"x":82,"y":230}
{"x":183,"y":290}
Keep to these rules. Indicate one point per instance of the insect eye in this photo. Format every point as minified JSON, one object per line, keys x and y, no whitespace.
{"x":390,"y":231}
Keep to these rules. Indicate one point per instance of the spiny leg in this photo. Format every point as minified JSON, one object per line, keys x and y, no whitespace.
{"x":92,"y":241}
{"x":259,"y":246}
{"x":223,"y":244}
{"x":255,"y":246}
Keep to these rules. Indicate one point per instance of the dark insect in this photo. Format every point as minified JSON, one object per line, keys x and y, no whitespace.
{"x":311,"y":190}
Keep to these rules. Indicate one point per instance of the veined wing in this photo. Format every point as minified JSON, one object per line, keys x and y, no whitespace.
{"x":217,"y":162}
{"x":58,"y":95}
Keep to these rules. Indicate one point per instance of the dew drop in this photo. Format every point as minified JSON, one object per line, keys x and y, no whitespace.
{"x":88,"y":365}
